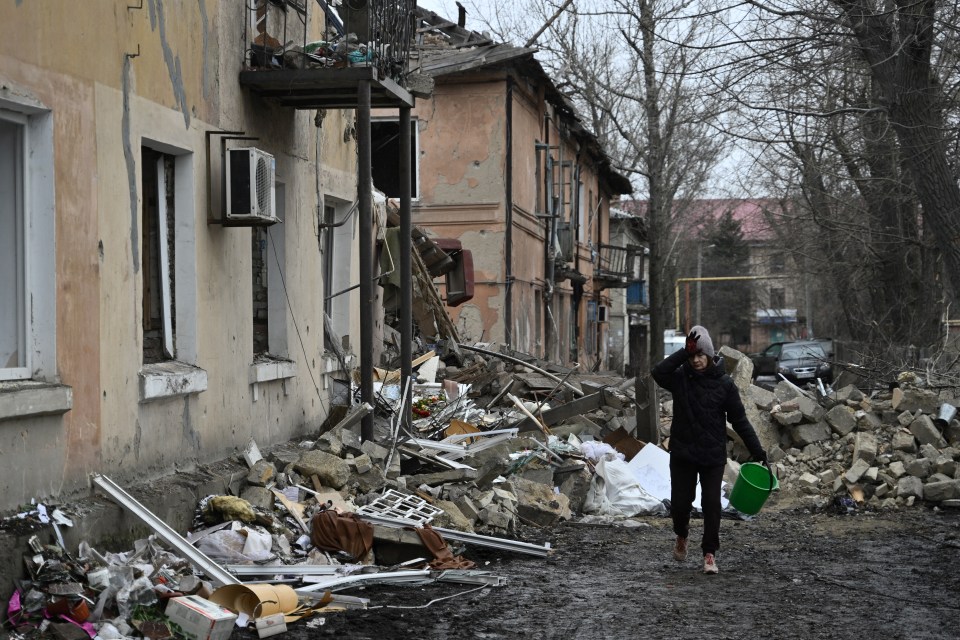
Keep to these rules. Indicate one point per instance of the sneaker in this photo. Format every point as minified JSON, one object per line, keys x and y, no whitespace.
{"x":710,"y":564}
{"x":680,"y":549}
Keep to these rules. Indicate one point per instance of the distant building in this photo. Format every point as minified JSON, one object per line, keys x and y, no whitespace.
{"x":505,"y":167}
{"x":779,"y":307}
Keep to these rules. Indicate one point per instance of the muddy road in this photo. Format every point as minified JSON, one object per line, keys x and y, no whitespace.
{"x":786,"y":574}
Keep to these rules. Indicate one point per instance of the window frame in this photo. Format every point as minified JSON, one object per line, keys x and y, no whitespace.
{"x":37,"y":212}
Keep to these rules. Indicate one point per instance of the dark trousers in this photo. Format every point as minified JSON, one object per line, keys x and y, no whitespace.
{"x":683,"y":489}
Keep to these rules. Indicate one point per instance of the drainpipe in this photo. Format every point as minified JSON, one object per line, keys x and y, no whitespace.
{"x":549,"y":321}
{"x":508,"y":236}
{"x":406,"y":269}
{"x":364,"y":197}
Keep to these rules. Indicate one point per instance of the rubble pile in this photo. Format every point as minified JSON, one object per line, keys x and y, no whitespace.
{"x":884,"y":450}
{"x":498,"y":447}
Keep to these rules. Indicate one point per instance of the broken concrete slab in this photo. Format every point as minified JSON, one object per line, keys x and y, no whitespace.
{"x":841,"y":419}
{"x":331,"y":470}
{"x":539,"y":504}
{"x":926,"y":432}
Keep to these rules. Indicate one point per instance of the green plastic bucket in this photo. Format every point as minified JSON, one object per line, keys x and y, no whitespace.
{"x":752,"y":487}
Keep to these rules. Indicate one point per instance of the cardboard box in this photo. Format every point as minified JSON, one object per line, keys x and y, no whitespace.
{"x":201,"y":619}
{"x":624,"y":443}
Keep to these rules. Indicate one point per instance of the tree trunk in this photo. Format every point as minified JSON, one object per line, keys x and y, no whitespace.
{"x":898,"y":50}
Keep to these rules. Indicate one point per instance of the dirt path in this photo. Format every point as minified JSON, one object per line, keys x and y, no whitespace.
{"x":786,"y":575}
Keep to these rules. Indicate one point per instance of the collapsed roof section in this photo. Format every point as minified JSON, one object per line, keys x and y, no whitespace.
{"x":446,"y":48}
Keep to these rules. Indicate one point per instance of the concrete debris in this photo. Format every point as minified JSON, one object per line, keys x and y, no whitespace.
{"x":493,"y":448}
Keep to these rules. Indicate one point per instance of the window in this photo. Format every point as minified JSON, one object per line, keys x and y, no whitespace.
{"x":159,"y":255}
{"x":777,"y":298}
{"x":269,"y":299}
{"x":385,"y":139}
{"x":777,"y":262}
{"x":27,"y":244}
{"x":339,"y":232}
{"x":168,"y":273}
{"x":13,"y":316}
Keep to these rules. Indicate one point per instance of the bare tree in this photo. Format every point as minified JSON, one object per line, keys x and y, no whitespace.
{"x":853,"y":99}
{"x":630,"y":68}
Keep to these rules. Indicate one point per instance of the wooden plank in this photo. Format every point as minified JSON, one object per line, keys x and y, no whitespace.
{"x":559,"y":414}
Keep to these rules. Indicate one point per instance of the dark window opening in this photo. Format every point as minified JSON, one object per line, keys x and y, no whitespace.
{"x":261,"y":315}
{"x":385,"y":140}
{"x":157,"y":251}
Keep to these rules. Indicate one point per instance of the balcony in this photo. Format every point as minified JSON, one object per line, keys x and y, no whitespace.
{"x":367,"y":41}
{"x":615,"y":267}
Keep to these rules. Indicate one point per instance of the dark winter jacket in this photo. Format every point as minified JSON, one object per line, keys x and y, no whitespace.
{"x":702,"y":405}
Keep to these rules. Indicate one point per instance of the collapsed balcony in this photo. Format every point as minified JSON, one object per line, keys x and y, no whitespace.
{"x":615,"y":266}
{"x":322,"y":64}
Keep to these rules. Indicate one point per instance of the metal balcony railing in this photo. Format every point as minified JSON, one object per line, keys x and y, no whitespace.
{"x":362,"y":40}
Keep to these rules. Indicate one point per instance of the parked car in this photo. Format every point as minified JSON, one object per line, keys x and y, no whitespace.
{"x":799,"y":362}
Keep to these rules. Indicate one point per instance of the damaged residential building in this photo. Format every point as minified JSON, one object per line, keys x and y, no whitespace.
{"x":508,"y":180}
{"x":182,"y":209}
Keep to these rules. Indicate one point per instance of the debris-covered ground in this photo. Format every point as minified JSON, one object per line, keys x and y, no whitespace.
{"x":520,"y":502}
{"x":787,"y":575}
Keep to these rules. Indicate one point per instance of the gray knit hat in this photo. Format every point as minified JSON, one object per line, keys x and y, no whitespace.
{"x":704,"y":341}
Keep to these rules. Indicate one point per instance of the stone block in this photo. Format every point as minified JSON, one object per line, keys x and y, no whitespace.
{"x":871,"y":474}
{"x":869,"y":421}
{"x":787,"y":418}
{"x":331,"y":470}
{"x":865,"y":447}
{"x":919,"y":468}
{"x":910,"y":487}
{"x":261,"y":473}
{"x":496,"y":518}
{"x":330,"y":443}
{"x":856,"y":471}
{"x":377,"y":453}
{"x":259,"y":497}
{"x":905,"y":418}
{"x":762,"y":398}
{"x":806,"y":433}
{"x":913,"y":399}
{"x":897,"y":469}
{"x":946,"y":465}
{"x":926,"y":432}
{"x":848,"y":393}
{"x":827,"y":476}
{"x":809,"y":409}
{"x":467,"y":508}
{"x":940,"y":491}
{"x":539,"y":504}
{"x":841,"y":419}
{"x":452,"y":517}
{"x":808,"y":481}
{"x":903,"y":441}
{"x":373,"y":479}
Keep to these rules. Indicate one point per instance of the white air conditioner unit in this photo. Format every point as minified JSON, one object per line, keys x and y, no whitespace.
{"x":250,"y":193}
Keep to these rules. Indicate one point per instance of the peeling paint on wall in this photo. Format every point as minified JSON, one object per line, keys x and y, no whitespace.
{"x":207,"y":84}
{"x":131,"y":166}
{"x":172,"y":61}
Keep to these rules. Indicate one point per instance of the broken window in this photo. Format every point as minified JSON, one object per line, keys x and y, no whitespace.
{"x":385,"y":139}
{"x":158,"y":253}
{"x":339,"y":227}
{"x":269,"y":299}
